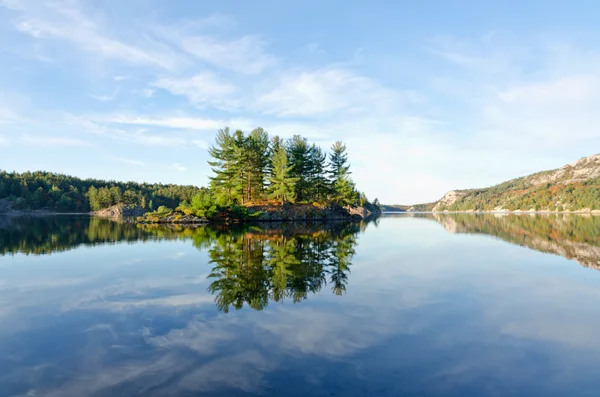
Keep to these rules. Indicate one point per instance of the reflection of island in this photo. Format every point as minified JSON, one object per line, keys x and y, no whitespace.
{"x":261,"y":265}
{"x":572,"y":236}
{"x":251,"y":264}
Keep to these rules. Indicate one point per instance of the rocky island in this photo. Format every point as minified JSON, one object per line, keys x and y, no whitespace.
{"x":257,"y":178}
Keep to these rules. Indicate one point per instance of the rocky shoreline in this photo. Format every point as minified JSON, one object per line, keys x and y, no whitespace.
{"x":270,"y":213}
{"x":501,"y":211}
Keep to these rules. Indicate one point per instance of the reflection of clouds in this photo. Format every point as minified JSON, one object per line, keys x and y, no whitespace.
{"x":204,"y":337}
{"x":321,"y":331}
{"x":170,"y":301}
{"x":459,"y":310}
{"x":241,"y":371}
{"x":134,"y":375}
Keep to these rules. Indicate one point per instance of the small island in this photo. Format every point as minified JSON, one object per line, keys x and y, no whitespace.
{"x":262,"y":179}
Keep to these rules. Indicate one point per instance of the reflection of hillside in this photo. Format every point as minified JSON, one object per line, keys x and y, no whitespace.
{"x":45,"y":235}
{"x":572,"y":236}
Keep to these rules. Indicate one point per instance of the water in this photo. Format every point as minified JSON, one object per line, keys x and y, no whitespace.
{"x":446,"y":305}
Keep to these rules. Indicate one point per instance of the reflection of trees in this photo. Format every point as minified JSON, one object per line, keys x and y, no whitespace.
{"x":572,"y":236}
{"x":45,"y":235}
{"x":256,"y":266}
{"x":251,"y":264}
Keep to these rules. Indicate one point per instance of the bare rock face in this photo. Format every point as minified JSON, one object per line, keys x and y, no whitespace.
{"x":449,"y":198}
{"x":582,"y":169}
{"x":119,"y":210}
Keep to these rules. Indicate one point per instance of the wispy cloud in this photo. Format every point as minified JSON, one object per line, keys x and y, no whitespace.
{"x":67,"y":21}
{"x":179,"y":167}
{"x":324,"y":91}
{"x":131,"y":161}
{"x":137,"y":136}
{"x":167,"y":122}
{"x":107,"y":98}
{"x":202,"y":89}
{"x":246,"y":54}
{"x":40,"y":140}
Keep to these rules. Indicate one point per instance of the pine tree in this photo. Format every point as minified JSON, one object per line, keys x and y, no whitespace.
{"x":257,"y":156}
{"x":339,"y":175}
{"x":318,"y":184}
{"x":283,"y":186}
{"x":345,"y":194}
{"x":298,"y":152}
{"x":226,"y":183}
{"x":338,"y":161}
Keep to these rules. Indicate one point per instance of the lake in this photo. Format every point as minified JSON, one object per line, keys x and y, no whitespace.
{"x":407,"y":305}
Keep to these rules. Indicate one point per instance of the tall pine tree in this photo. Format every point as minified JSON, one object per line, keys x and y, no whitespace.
{"x":226,"y":183}
{"x":283,"y":186}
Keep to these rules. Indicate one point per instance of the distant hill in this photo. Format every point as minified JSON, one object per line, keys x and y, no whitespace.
{"x":574,"y":187}
{"x":427,"y":207}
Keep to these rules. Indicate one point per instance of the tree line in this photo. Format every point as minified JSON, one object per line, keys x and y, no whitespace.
{"x":247,"y":168}
{"x":63,"y":193}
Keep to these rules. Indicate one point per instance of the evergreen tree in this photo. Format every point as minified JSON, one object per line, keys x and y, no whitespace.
{"x":338,"y":161}
{"x":345,"y":194}
{"x":298,"y":152}
{"x":257,"y":159}
{"x":226,"y":183}
{"x":283,"y":186}
{"x":318,"y":187}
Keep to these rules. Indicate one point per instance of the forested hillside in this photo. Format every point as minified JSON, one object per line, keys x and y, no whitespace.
{"x":573,"y":187}
{"x":63,"y":193}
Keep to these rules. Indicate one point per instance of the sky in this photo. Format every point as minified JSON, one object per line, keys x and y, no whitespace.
{"x":428,"y":96}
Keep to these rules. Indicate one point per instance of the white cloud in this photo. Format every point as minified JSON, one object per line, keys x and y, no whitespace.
{"x":4,"y":141}
{"x":67,"y":21}
{"x":179,"y":167}
{"x":325,"y":91}
{"x":202,"y":89}
{"x":246,"y":55}
{"x":567,"y":91}
{"x":100,"y":128}
{"x":131,"y":161}
{"x":167,"y":122}
{"x":201,"y":143}
{"x":107,"y":98}
{"x":39,"y":140}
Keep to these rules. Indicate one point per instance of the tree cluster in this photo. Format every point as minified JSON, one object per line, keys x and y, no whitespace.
{"x":254,"y":167}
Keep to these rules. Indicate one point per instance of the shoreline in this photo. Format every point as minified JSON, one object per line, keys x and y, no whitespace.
{"x":576,"y":212}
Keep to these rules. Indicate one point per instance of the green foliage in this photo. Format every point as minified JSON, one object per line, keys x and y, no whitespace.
{"x":252,"y":268}
{"x":202,"y":205}
{"x":160,"y":213}
{"x":283,"y":186}
{"x":62,"y":193}
{"x":517,"y":194}
{"x":345,"y":193}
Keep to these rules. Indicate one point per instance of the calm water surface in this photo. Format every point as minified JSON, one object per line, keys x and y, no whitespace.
{"x":409,"y":305}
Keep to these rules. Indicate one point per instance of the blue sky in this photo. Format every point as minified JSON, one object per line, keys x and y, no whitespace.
{"x":429,"y":96}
